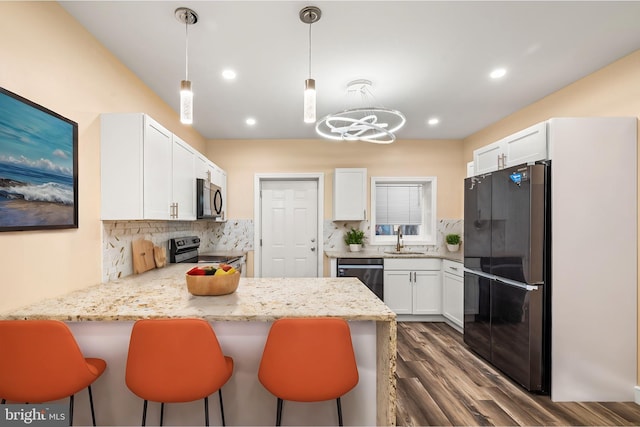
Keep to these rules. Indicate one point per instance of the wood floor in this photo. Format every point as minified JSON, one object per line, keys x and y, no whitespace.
{"x":442,"y":383}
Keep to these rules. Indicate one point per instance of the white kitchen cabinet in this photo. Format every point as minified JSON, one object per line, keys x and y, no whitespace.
{"x":350,"y":194}
{"x":453,"y":292}
{"x":137,"y":170}
{"x":398,"y":290}
{"x":413,"y":285}
{"x":204,"y":167}
{"x":527,"y":145}
{"x":184,"y":181}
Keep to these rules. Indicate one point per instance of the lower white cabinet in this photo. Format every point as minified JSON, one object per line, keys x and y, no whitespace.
{"x":453,"y":292}
{"x":413,"y":285}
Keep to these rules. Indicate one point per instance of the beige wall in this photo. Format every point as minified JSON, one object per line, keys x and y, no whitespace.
{"x":244,"y":158}
{"x":50,"y":59}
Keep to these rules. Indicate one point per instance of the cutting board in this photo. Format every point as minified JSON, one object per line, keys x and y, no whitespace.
{"x":160,"y":256}
{"x":142,"y":256}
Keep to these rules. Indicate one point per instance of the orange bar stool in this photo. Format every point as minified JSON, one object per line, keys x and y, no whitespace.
{"x":308,"y":360}
{"x":176,"y":360}
{"x":40,"y":361}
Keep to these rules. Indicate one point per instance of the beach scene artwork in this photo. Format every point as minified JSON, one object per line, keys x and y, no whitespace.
{"x":38,"y":177}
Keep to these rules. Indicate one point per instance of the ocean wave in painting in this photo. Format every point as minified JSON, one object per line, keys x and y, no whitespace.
{"x":26,"y":182}
{"x":48,"y":192}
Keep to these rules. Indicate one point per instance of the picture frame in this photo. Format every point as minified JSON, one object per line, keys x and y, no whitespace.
{"x":38,"y":166}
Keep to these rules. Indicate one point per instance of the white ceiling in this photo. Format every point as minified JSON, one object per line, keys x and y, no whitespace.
{"x":425,"y":58}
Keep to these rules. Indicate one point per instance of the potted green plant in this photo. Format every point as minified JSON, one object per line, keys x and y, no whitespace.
{"x":354,"y":239}
{"x":453,"y":242}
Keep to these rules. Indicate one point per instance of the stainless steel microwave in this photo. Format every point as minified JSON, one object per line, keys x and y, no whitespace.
{"x":209,"y":200}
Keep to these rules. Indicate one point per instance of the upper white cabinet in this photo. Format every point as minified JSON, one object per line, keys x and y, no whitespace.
{"x":350,"y":194}
{"x":146,"y":171}
{"x":204,"y":167}
{"x":183,"y":169}
{"x":528,"y":145}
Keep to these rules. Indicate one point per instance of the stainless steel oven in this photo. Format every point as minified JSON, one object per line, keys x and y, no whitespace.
{"x":185,"y":249}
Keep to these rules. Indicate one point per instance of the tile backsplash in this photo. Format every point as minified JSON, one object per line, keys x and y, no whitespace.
{"x":334,"y":233}
{"x":232,"y":235}
{"x":117,"y":260}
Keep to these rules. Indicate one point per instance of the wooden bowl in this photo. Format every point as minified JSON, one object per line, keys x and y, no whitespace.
{"x":213,"y":285}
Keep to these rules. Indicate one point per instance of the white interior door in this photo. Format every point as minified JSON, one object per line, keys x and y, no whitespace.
{"x":289,"y":224}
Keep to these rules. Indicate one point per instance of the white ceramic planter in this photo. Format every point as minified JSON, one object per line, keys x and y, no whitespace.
{"x":355,"y":248}
{"x":453,"y":248}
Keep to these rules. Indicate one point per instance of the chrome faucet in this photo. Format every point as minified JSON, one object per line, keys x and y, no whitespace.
{"x":398,"y":245}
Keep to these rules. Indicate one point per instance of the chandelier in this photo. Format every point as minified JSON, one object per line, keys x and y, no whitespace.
{"x":369,"y":124}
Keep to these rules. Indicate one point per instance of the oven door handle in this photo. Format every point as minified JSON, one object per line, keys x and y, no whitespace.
{"x":361,"y":267}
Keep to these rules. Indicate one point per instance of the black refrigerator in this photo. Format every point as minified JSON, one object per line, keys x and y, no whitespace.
{"x":507,"y":287}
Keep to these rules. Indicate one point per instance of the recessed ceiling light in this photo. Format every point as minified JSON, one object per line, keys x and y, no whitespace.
{"x":433,"y":121}
{"x":497,"y":73}
{"x":229,"y":74}
{"x":250,"y":121}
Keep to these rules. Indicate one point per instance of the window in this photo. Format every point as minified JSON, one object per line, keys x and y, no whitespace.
{"x":406,"y":204}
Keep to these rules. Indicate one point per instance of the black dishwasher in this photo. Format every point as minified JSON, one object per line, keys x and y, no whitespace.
{"x":370,"y":271}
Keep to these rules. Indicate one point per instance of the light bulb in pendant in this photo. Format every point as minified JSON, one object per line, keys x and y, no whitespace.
{"x":310,"y":101}
{"x":186,"y":102}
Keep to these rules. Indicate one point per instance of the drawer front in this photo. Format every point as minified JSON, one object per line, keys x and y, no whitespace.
{"x":412,"y":264}
{"x":452,"y":267}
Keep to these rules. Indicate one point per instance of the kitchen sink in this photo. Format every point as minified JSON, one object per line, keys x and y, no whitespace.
{"x":405,"y":253}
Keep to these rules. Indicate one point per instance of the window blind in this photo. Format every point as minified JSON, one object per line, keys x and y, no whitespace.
{"x":399,"y":204}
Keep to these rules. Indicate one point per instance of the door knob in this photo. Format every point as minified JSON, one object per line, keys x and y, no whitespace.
{"x":313,"y":249}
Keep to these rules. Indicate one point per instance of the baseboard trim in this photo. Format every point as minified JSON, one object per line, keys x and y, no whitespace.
{"x":637,"y":394}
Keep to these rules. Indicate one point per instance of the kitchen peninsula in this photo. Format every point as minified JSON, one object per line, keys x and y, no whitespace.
{"x":101,"y":318}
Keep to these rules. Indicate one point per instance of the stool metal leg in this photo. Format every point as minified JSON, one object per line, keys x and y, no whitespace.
{"x":279,"y":412}
{"x":206,"y":411}
{"x":221,"y":407}
{"x":93,"y":414}
{"x":71,"y":410}
{"x":144,"y":413}
{"x":339,"y":411}
{"x":161,"y":412}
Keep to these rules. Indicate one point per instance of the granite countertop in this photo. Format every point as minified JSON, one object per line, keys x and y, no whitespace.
{"x":453,"y":256}
{"x":163,"y":293}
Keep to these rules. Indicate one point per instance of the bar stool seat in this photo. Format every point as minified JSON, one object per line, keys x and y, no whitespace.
{"x":308,"y":360}
{"x":40,"y":361}
{"x":176,"y":360}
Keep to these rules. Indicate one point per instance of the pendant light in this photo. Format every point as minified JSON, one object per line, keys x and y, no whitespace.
{"x":309,"y":15}
{"x":187,"y":17}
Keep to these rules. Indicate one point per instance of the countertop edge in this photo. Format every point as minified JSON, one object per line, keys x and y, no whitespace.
{"x":372,"y":254}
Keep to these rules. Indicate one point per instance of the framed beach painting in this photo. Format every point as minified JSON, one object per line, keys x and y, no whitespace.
{"x":38,"y":166}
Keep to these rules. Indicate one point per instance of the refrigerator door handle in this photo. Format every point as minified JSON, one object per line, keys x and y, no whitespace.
{"x":503,"y":280}
{"x":516,"y":284}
